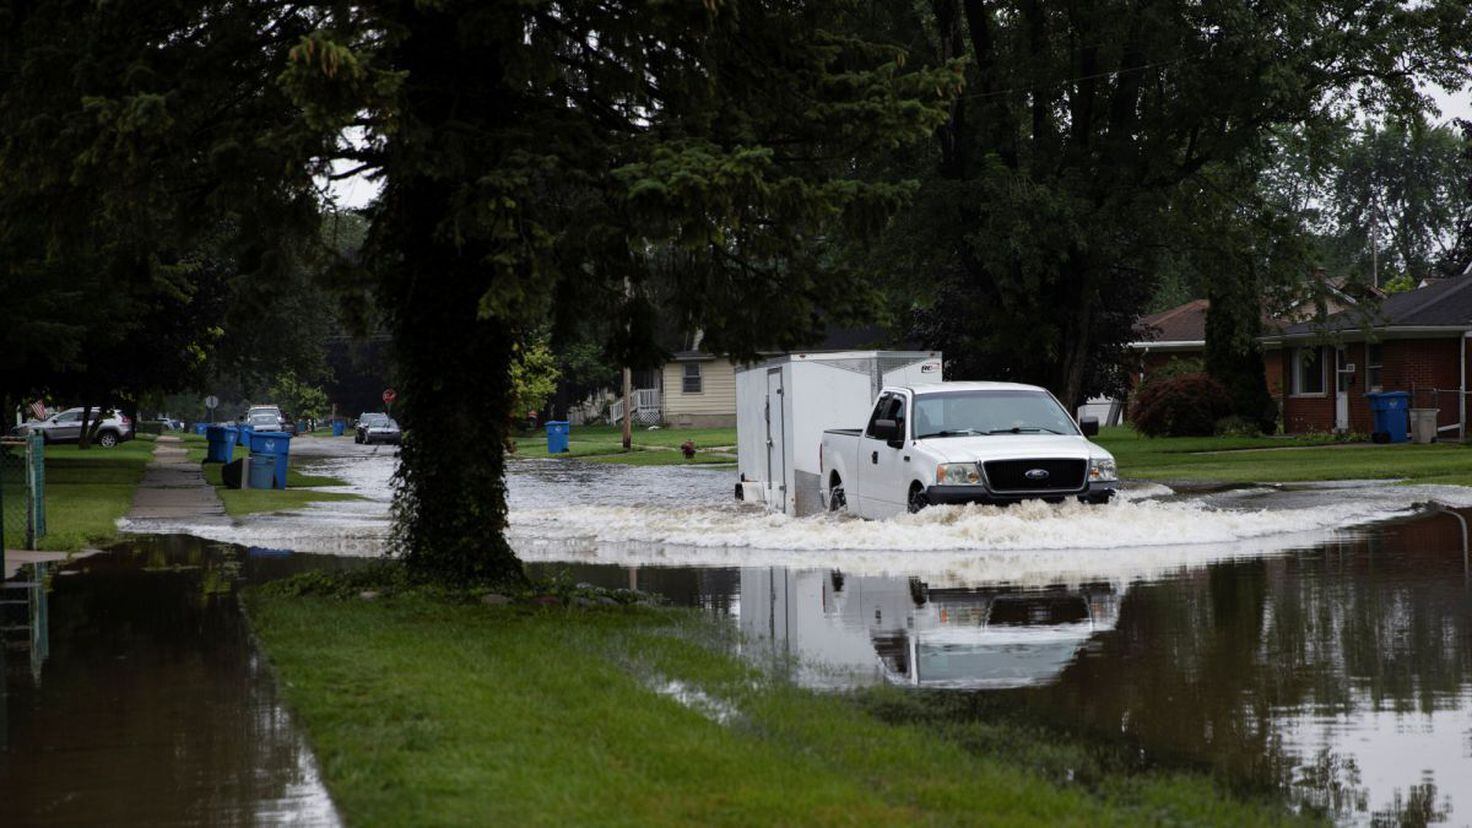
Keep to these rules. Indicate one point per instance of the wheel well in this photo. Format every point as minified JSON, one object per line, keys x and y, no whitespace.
{"x":834,"y":480}
{"x":917,"y":486}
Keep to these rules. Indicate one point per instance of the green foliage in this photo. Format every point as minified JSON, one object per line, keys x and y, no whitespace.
{"x":534,"y":377}
{"x":1063,"y":180}
{"x":687,"y":164}
{"x":1175,"y":367}
{"x":298,"y":398}
{"x":1398,"y":284}
{"x":1188,"y":405}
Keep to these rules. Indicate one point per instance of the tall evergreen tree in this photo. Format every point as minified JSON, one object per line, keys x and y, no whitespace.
{"x":628,"y":159}
{"x":1048,"y":200}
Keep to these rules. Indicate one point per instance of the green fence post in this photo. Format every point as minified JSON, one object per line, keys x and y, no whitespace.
{"x":35,"y":490}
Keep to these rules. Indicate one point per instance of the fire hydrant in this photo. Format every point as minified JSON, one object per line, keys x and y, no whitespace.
{"x":688,"y":447}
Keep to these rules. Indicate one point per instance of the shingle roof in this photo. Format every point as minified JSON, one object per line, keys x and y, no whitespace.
{"x":1183,"y":323}
{"x":1445,"y":303}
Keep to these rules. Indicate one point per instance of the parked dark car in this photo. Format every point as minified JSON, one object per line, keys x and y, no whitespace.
{"x":381,"y":429}
{"x":365,"y":420}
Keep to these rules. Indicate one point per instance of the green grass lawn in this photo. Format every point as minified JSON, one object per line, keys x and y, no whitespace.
{"x":86,"y":493}
{"x":1298,"y":459}
{"x":427,"y":711}
{"x":254,"y":501}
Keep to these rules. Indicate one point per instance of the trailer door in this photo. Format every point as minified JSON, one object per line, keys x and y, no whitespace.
{"x":776,"y":440}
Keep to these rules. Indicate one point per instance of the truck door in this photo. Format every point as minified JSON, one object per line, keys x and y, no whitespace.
{"x":883,"y":471}
{"x":776,"y":441}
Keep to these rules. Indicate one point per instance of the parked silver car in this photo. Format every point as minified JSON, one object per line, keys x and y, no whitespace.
{"x":66,"y":427}
{"x":265,"y":417}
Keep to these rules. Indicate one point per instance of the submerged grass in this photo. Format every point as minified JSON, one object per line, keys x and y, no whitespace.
{"x":657,"y":447}
{"x":432,"y":710}
{"x":1283,"y":459}
{"x":86,"y":493}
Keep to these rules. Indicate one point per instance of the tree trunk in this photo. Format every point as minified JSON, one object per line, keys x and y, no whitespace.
{"x":453,"y":362}
{"x":84,"y":437}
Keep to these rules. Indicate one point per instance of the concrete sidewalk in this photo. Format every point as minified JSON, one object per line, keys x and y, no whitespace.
{"x":173,"y":487}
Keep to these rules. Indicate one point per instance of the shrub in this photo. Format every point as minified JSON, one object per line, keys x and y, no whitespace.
{"x":148,"y":428}
{"x":1187,"y":405}
{"x":1234,"y":426}
{"x":1175,"y":367}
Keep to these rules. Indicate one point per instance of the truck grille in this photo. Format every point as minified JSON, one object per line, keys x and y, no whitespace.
{"x":1011,"y":475}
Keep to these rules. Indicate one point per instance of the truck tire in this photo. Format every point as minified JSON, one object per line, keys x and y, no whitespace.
{"x":917,"y":500}
{"x":837,"y":500}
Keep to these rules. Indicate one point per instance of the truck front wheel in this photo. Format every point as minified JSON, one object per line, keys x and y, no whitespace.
{"x":918,"y":499}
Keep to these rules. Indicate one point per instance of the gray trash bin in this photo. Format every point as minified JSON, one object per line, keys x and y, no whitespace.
{"x":1423,"y":424}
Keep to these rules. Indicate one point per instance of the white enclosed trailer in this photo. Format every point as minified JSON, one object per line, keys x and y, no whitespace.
{"x":784,"y":405}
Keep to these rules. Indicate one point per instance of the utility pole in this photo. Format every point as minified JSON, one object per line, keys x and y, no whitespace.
{"x":628,"y":409}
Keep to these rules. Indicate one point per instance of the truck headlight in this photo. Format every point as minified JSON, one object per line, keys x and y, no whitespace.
{"x":1103,"y":470}
{"x":958,"y":474}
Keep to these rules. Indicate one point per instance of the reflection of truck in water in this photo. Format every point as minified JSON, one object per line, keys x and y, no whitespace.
{"x":840,"y":631}
{"x":962,"y":442}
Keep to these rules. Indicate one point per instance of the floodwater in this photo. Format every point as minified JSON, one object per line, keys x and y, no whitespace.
{"x":146,"y":703}
{"x":1314,"y":641}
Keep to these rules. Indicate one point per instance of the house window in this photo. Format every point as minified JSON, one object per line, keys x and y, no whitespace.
{"x":1373,"y":358}
{"x":1308,"y":371}
{"x":691,"y":384}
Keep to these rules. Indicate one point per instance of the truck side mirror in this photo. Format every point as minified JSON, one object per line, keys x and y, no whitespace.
{"x":1089,"y":426}
{"x":886,"y":430}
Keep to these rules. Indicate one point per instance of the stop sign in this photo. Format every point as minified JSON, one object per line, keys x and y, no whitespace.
{"x":389,"y":396}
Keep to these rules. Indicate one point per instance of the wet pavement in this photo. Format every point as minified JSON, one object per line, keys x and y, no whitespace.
{"x":141,"y":700}
{"x":1314,"y":641}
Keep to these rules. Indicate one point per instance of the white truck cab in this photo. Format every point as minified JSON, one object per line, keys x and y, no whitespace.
{"x":963,"y":442}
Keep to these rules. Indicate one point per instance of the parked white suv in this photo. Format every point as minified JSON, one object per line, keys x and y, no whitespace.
{"x":66,"y":427}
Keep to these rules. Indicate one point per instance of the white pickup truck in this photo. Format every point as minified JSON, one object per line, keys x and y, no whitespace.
{"x":963,"y":442}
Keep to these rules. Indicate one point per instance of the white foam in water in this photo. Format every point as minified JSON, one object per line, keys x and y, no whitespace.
{"x":1025,"y":543}
{"x":684,"y":517}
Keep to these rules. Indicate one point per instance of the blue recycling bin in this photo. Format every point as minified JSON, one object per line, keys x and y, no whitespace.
{"x":243,"y":432}
{"x":262,"y":472}
{"x":199,"y":428}
{"x":269,"y":450}
{"x":1390,"y":411}
{"x":557,"y":431}
{"x":338,"y":427}
{"x":221,"y":440}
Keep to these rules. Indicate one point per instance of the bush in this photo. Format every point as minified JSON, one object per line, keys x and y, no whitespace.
{"x":1187,"y":405}
{"x":1235,"y":426}
{"x":148,"y":428}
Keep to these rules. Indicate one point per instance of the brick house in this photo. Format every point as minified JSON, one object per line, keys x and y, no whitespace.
{"x":1415,"y":341}
{"x":1180,"y":333}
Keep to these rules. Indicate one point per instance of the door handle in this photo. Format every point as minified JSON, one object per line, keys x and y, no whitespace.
{"x":874,"y":457}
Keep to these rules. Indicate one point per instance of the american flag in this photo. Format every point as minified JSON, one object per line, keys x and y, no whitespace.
{"x":39,"y":409}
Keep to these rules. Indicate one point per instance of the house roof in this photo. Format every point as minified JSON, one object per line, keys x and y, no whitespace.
{"x":1443,"y":303}
{"x":1183,"y":323}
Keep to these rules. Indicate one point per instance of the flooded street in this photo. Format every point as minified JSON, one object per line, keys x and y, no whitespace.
{"x":1310,"y":640}
{"x":151,"y":706}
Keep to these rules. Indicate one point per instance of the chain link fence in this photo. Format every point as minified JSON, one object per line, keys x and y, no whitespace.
{"x":22,"y":491}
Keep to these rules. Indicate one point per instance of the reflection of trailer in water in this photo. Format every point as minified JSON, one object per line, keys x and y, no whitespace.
{"x":838,"y":630}
{"x":784,"y":405}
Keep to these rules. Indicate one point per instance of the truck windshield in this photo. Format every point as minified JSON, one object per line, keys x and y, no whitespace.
{"x":969,"y":413}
